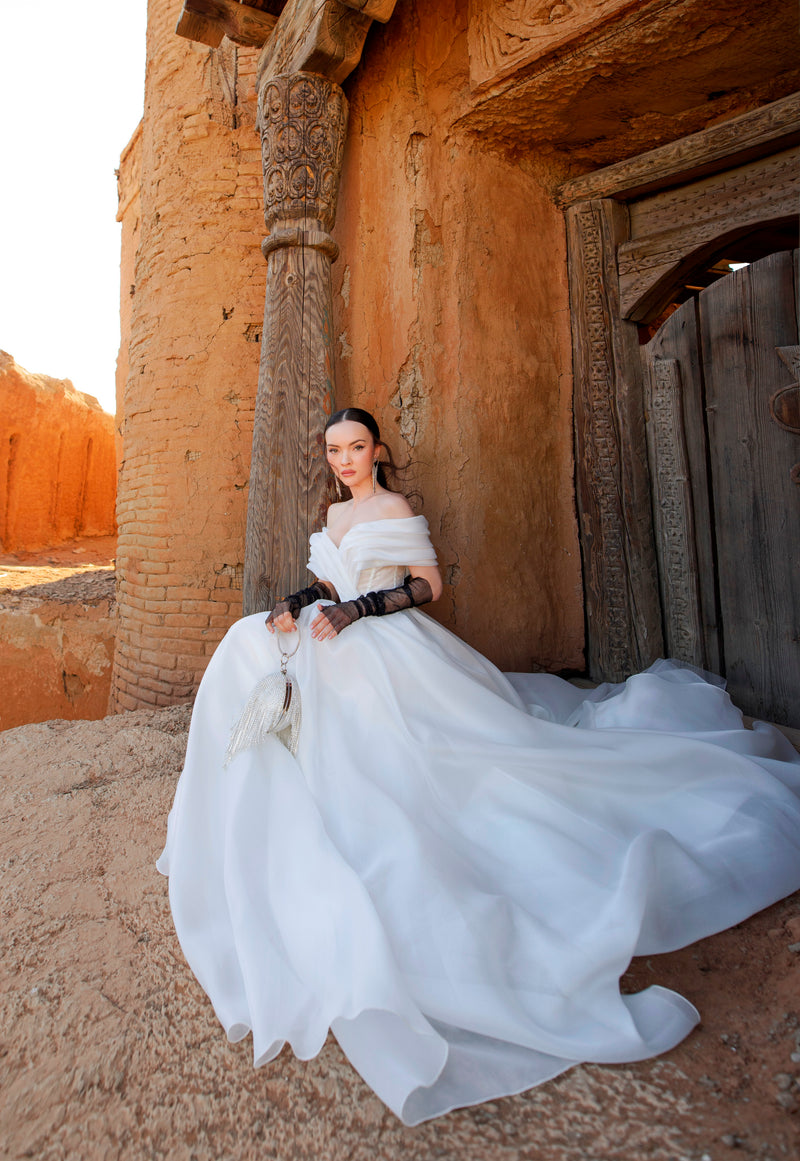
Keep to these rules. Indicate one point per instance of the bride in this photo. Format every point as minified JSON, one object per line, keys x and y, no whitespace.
{"x":452,"y":868}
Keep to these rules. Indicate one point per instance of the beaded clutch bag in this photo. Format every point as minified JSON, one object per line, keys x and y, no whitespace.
{"x":273,"y":707}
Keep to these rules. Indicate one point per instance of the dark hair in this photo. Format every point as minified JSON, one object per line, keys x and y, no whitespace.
{"x":387,"y":468}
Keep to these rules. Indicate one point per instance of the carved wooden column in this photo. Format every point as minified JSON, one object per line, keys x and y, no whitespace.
{"x":315,"y":44}
{"x":613,"y":487}
{"x":308,"y":48}
{"x":302,"y":120}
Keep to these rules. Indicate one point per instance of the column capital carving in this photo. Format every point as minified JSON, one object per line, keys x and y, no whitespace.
{"x":302,"y":119}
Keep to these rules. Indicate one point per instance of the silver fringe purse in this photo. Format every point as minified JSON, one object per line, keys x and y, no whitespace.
{"x":273,"y":707}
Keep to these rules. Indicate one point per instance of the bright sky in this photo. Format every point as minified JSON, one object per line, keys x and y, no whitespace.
{"x":71,"y":95}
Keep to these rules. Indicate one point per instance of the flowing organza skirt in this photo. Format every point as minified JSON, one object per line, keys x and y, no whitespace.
{"x":457,"y":867}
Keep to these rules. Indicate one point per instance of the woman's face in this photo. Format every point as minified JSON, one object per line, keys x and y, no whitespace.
{"x":350,"y":449}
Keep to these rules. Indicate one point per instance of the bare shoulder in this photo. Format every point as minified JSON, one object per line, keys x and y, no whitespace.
{"x":393,"y":506}
{"x":336,"y":512}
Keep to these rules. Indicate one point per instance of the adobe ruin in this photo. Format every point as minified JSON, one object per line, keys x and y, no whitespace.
{"x":58,"y":475}
{"x":58,"y":484}
{"x":499,"y":166}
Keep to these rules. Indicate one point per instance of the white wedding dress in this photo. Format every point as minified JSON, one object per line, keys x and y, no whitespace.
{"x":456,"y":868}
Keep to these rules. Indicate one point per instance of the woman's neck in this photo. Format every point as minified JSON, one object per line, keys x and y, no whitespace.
{"x":362,"y":493}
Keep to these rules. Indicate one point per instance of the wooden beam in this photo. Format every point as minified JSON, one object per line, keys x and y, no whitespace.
{"x":201,"y":28}
{"x":208,"y":21}
{"x":320,"y":36}
{"x":375,"y":9}
{"x":733,"y":142}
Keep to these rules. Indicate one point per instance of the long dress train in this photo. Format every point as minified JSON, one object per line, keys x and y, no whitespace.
{"x":456,"y":867}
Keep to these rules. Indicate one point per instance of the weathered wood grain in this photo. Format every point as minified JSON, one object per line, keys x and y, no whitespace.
{"x":202,"y":27}
{"x":766,"y":130}
{"x":675,"y":231}
{"x":744,"y":318}
{"x":613,"y":486}
{"x":208,"y":21}
{"x":319,"y":36}
{"x":375,"y":9}
{"x":303,"y":120}
{"x":673,"y":511}
{"x":678,"y":340}
{"x":295,"y":398}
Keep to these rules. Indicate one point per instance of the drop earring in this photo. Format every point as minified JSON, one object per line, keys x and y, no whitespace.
{"x":374,"y":476}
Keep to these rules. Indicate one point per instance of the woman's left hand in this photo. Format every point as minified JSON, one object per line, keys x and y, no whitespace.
{"x":331,"y":619}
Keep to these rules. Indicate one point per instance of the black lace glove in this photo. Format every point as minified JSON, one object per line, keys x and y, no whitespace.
{"x":415,"y":591}
{"x":297,"y":601}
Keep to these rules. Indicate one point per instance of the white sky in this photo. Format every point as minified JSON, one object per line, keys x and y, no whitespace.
{"x":71,"y":95}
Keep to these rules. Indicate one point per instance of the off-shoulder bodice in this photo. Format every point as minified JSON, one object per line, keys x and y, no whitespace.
{"x":375,"y":554}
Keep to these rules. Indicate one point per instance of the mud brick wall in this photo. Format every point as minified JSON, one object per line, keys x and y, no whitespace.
{"x":56,"y":647}
{"x":57,"y":464}
{"x":193,"y":292}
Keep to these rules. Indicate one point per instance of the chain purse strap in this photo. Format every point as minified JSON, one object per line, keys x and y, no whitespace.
{"x":273,"y":707}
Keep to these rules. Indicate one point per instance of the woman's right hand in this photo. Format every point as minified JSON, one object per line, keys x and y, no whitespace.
{"x":281,"y":618}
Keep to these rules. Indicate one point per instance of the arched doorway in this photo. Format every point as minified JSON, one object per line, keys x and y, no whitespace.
{"x":638,"y":233}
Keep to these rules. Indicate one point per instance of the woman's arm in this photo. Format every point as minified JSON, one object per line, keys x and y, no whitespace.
{"x":331,"y":619}
{"x":431,"y":574}
{"x":284,"y":614}
{"x":422,"y":585}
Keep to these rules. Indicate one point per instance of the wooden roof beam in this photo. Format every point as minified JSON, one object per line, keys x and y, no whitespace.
{"x":317,"y":35}
{"x":375,"y":9}
{"x":321,"y":36}
{"x":208,"y":21}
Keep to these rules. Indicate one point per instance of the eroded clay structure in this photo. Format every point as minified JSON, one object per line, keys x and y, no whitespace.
{"x":524,"y":191}
{"x":57,"y":462}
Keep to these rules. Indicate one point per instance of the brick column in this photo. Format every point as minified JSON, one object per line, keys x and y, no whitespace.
{"x":196,"y":301}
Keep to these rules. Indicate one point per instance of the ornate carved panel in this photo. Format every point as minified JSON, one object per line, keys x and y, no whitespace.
{"x":613,"y":487}
{"x":505,"y":35}
{"x":303,"y":121}
{"x":769,"y":129}
{"x":672,"y":502}
{"x":672,"y":231}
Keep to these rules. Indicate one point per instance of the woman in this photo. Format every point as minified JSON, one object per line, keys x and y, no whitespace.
{"x":454,"y":869}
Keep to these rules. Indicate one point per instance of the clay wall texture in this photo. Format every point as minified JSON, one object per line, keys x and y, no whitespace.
{"x":57,"y":461}
{"x":55,"y":657}
{"x":454,"y":325}
{"x":129,"y":214}
{"x":450,"y":297}
{"x":192,"y":362}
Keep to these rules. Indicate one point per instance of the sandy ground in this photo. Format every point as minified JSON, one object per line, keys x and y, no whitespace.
{"x":80,"y":570}
{"x":109,"y":1048}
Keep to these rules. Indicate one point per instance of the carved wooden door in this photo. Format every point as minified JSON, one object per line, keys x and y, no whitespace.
{"x":723,"y":421}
